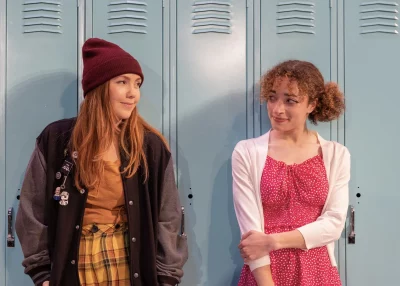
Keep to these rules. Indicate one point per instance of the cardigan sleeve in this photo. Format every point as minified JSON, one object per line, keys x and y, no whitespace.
{"x":329,"y":225}
{"x":245,"y":200}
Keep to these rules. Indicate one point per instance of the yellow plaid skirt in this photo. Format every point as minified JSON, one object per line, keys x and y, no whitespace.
{"x":104,"y":255}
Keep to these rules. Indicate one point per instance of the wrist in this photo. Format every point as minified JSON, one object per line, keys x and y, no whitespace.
{"x":278,"y":241}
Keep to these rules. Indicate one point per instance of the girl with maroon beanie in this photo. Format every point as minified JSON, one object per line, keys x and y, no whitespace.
{"x":99,"y":203}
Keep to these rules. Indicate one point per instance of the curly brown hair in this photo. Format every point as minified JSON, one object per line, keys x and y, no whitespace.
{"x":330,"y":100}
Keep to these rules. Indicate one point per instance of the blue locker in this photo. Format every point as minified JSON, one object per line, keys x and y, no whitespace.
{"x":41,"y":86}
{"x":304,"y":30}
{"x":296,"y":30}
{"x":372,"y":45}
{"x":211,"y":103}
{"x":137,"y":26}
{"x":3,"y":59}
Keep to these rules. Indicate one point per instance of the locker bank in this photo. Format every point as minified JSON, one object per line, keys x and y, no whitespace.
{"x":204,"y":60}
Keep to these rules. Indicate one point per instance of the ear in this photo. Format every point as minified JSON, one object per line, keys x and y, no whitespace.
{"x":311,"y":106}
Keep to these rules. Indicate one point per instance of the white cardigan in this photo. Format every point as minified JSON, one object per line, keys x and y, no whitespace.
{"x":248,"y":160}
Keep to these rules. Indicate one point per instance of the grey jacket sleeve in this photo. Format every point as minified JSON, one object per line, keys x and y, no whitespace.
{"x":29,"y":225}
{"x":172,"y":246}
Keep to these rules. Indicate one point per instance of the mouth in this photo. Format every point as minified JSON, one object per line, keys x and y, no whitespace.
{"x":127,"y":104}
{"x":279,"y":119}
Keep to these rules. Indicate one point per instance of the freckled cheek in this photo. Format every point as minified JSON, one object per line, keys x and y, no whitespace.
{"x":270,"y":107}
{"x":119,"y":97}
{"x":116,"y":94}
{"x":115,"y":105}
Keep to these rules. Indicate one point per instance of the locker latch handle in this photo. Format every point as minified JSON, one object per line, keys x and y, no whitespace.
{"x":182,"y":232}
{"x":352,"y":234}
{"x":10,"y":237}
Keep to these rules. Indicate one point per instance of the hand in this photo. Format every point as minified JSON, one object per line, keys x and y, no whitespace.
{"x":256,"y":244}
{"x":46,"y":283}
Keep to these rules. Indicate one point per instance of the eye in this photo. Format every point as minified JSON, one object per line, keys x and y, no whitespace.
{"x":138,"y":84}
{"x":271,"y":98}
{"x":121,"y":82}
{"x":292,"y":101}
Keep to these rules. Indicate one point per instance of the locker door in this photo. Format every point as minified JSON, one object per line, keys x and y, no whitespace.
{"x":211,"y":102}
{"x":303,"y":30}
{"x":372,"y":62}
{"x":136,"y":26}
{"x":296,"y":30}
{"x":41,"y":86}
{"x":3,"y":37}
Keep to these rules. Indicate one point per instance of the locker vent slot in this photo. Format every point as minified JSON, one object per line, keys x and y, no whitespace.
{"x":212,"y":17}
{"x":295,"y":17}
{"x":42,"y":17}
{"x":127,"y":17}
{"x":379,"y":17}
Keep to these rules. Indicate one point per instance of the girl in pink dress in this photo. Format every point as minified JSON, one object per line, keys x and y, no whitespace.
{"x":290,"y":185}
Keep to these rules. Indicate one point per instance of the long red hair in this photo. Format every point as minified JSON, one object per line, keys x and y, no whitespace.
{"x":93,"y":135}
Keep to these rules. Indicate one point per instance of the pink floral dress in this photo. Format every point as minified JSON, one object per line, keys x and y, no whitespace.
{"x":293,"y":196}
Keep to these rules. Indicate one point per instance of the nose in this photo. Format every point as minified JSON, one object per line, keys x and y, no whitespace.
{"x":131,"y":91}
{"x":279,"y":107}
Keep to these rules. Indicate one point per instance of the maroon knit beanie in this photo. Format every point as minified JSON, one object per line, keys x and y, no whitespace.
{"x":103,"y":61}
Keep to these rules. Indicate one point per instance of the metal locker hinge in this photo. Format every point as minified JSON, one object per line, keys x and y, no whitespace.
{"x":249,"y":3}
{"x":352,"y":234}
{"x":10,"y":237}
{"x":163,"y":3}
{"x":330,"y":3}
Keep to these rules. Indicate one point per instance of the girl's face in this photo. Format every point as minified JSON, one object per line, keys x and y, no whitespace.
{"x":287,"y":109}
{"x":124,"y":93}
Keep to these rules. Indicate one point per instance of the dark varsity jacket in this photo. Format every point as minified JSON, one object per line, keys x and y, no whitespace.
{"x":49,"y":233}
